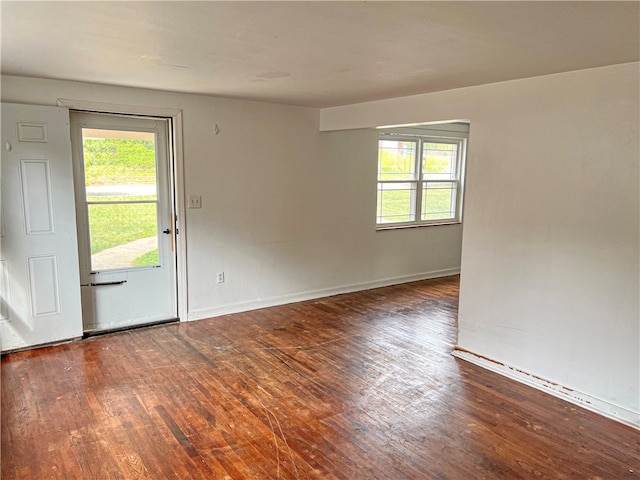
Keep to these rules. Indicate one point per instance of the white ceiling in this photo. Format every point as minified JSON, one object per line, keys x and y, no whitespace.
{"x":316,"y":54}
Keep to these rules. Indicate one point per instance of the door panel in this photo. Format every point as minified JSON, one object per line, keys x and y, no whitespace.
{"x":124,"y":206}
{"x":39,"y":281}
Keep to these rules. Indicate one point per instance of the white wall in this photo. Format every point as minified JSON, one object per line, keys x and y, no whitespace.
{"x":550,"y":255}
{"x":287,"y":212}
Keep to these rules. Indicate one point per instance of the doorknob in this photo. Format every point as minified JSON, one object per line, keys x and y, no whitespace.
{"x":167,"y":231}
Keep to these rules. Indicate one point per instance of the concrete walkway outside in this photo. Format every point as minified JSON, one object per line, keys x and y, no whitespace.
{"x":122,"y":256}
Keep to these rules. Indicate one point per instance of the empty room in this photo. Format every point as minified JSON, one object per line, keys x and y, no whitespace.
{"x":337,"y":240}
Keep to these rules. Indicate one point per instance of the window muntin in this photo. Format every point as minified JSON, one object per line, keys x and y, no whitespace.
{"x":397,"y":160}
{"x":424,"y":192}
{"x":396,"y":202}
{"x":439,"y":200}
{"x":439,"y":161}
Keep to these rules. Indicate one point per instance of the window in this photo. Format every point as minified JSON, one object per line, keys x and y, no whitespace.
{"x":419,"y":179}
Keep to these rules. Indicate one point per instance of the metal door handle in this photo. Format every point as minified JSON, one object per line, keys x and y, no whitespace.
{"x":167,"y":231}
{"x":105,"y":283}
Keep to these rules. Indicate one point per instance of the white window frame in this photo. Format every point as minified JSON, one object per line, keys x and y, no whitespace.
{"x":420,"y":184}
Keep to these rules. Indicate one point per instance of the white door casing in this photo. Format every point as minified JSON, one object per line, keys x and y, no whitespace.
{"x":39,"y":280}
{"x":125,"y":296}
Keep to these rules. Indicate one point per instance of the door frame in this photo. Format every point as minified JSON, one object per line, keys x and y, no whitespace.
{"x":176,"y":169}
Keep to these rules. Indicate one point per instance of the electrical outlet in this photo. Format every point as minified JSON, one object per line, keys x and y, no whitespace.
{"x":195,"y":201}
{"x":220,"y":277}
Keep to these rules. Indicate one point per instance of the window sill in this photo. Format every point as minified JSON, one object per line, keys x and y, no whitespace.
{"x":380,"y":228}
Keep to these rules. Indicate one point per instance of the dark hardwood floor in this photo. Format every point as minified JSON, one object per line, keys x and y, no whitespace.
{"x":357,"y":386}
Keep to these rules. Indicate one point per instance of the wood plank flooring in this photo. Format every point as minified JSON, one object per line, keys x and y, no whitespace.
{"x":357,"y":386}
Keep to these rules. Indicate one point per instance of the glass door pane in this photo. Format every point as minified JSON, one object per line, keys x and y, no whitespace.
{"x":121,"y":193}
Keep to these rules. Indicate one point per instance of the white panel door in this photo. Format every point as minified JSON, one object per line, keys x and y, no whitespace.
{"x":39,"y":271}
{"x":125,"y":223}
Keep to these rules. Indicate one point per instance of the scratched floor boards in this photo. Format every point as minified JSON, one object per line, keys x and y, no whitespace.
{"x":357,"y":386}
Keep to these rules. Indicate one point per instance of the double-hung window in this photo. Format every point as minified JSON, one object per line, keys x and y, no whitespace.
{"x":420,"y":180}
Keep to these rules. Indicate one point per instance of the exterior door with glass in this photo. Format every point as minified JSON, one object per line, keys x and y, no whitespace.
{"x":125,"y":220}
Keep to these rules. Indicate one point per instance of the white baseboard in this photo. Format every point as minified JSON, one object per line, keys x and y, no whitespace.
{"x":584,"y":400}
{"x":311,"y":295}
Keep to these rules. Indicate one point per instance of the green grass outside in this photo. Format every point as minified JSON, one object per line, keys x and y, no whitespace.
{"x":149,"y":258}
{"x":117,"y":224}
{"x":119,"y":174}
{"x":113,"y":161}
{"x":116,"y":161}
{"x":396,"y":204}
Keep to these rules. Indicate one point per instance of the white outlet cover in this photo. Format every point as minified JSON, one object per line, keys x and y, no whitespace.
{"x":195,"y":201}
